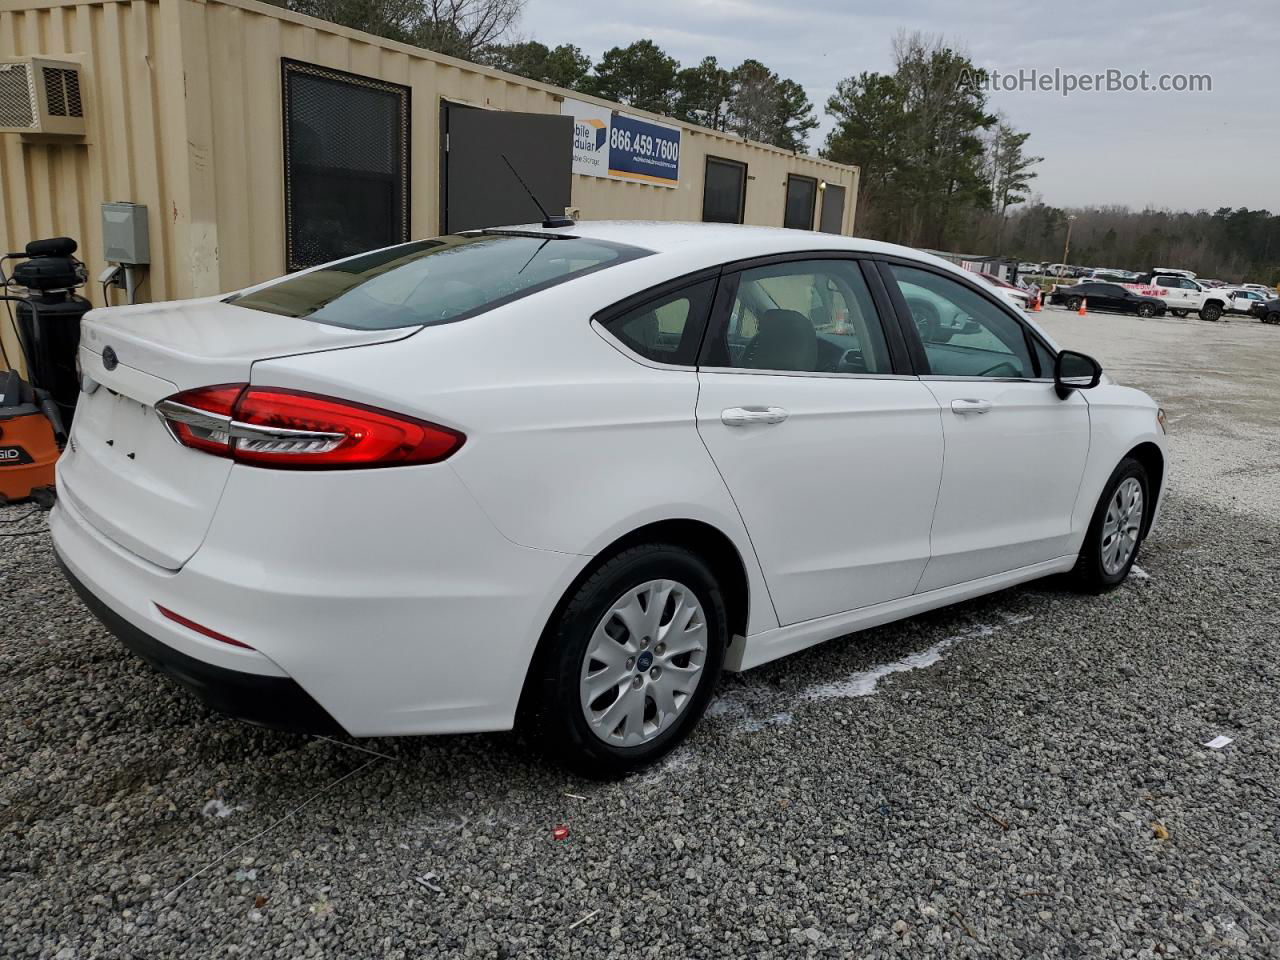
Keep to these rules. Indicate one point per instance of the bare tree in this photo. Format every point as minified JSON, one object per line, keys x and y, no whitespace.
{"x":459,"y":28}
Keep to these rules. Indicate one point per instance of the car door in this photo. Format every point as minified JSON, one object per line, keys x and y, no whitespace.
{"x":1172,"y":293}
{"x":1015,"y":452}
{"x":830,"y":447}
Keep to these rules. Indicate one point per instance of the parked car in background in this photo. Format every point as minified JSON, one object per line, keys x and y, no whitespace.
{"x":1021,"y":298}
{"x":728,"y":445}
{"x":1240,"y":300}
{"x":1268,"y":311}
{"x":1181,"y":294}
{"x":1268,"y":292}
{"x":1107,"y":296}
{"x":1034,"y":269}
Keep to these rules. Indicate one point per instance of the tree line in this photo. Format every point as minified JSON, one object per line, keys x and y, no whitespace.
{"x":1239,"y":245}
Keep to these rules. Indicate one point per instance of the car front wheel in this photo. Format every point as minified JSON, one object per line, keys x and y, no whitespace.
{"x":633,"y":660}
{"x":1146,"y":310}
{"x":1116,"y":530}
{"x":1211,"y":312}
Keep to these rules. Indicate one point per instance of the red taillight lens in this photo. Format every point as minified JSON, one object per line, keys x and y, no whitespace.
{"x":209,"y":434}
{"x":272,"y":427}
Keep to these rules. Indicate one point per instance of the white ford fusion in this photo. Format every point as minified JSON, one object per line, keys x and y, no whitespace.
{"x":568,"y":475}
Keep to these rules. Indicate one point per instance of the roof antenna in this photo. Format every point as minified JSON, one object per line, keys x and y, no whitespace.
{"x":548,"y":221}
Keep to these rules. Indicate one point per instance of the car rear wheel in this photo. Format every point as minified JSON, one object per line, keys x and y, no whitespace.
{"x":1179,"y":313}
{"x":1210,"y":312}
{"x":1116,"y":530}
{"x":633,"y":660}
{"x":1146,"y":310}
{"x":1073,"y":303}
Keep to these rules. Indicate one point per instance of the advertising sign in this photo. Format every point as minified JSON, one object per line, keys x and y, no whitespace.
{"x":645,"y":151}
{"x":590,"y":137}
{"x":614,"y":145}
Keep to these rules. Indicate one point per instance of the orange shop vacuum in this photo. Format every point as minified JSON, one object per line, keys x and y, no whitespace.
{"x":31,"y":419}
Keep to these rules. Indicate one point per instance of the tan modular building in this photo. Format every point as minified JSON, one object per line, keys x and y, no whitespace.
{"x":260,"y":141}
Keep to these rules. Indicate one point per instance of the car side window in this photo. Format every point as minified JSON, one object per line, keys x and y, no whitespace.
{"x":667,"y":329}
{"x":964,"y":334}
{"x":803,"y":316}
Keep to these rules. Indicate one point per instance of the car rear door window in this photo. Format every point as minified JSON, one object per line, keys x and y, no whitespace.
{"x":667,"y":329}
{"x":802,"y":316}
{"x":963,"y":333}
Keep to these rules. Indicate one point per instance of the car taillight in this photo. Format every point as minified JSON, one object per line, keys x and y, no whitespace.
{"x":273,"y":427}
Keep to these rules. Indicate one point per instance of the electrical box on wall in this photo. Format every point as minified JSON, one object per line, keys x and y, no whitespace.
{"x":126,"y":238}
{"x":41,"y":96}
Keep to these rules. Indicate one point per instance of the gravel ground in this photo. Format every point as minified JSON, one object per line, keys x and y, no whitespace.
{"x":1023,"y":775}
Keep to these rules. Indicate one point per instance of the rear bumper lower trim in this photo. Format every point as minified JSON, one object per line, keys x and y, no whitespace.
{"x":276,"y":702}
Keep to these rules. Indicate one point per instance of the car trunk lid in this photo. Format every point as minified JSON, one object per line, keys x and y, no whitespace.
{"x":122,"y":470}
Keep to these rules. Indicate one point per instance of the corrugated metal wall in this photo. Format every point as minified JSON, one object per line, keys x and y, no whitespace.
{"x":183,"y":105}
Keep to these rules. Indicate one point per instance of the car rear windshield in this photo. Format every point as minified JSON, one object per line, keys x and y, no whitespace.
{"x":434,"y":281}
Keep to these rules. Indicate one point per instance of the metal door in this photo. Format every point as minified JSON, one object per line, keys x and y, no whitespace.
{"x":478,"y":189}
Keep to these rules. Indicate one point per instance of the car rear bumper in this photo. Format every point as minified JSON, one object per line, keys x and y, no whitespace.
{"x":269,"y":701}
{"x":393,"y":604}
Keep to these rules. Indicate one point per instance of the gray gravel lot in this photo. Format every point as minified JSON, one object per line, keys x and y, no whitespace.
{"x":1022,"y":775}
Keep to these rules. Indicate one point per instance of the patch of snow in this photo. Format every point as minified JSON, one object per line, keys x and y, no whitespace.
{"x":1137,"y":573}
{"x":216,"y":808}
{"x":864,"y":683}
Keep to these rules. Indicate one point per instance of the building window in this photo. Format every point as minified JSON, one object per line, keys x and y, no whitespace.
{"x":802,"y":194}
{"x":346,"y":164}
{"x":724,"y":191}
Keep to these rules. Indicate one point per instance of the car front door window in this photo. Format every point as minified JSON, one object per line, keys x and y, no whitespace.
{"x":963,"y":333}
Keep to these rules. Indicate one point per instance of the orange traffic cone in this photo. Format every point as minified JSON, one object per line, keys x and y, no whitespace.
{"x":1082,"y":310}
{"x":1035,"y":305}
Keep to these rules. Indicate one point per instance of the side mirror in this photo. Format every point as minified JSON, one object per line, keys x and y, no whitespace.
{"x":1075,"y":371}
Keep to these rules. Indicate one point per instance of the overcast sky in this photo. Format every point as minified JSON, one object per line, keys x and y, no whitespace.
{"x":1177,"y":150}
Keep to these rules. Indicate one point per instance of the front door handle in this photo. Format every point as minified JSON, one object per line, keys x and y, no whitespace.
{"x":966,"y":407}
{"x":745,"y":416}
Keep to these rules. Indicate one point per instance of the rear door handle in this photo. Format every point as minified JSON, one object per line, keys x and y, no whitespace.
{"x":745,"y":416}
{"x":966,"y":407}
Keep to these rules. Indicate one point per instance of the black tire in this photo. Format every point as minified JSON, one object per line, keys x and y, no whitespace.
{"x":1210,"y":312}
{"x":558,"y":722}
{"x":1146,"y":310}
{"x":1272,"y":317}
{"x":1179,"y":313}
{"x":1089,"y":575}
{"x":1073,"y":303}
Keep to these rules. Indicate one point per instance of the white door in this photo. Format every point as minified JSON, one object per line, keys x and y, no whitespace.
{"x":1015,"y":452}
{"x":833,"y":461}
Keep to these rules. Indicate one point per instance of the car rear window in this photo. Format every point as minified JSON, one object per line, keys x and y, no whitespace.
{"x":434,"y":281}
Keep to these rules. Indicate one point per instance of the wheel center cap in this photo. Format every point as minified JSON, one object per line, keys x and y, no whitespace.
{"x":644,"y":661}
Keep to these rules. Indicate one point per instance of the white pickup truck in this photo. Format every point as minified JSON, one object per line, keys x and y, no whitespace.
{"x":1182,"y":295}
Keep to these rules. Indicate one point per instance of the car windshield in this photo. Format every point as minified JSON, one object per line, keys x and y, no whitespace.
{"x":434,"y":281}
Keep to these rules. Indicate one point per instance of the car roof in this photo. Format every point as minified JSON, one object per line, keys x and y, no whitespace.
{"x":730,"y":240}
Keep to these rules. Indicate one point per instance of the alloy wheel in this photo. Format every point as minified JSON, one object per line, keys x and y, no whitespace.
{"x":1121,"y":526}
{"x":643,"y":663}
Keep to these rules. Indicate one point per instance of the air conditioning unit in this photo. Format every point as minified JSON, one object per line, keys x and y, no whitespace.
{"x":41,"y":96}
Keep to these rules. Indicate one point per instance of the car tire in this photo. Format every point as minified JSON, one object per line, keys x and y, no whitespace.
{"x":1103,"y":563}
{"x":1073,"y":303}
{"x":589,"y":620}
{"x":1210,"y":312}
{"x":1179,"y":313}
{"x":1272,"y":317}
{"x":1146,"y":310}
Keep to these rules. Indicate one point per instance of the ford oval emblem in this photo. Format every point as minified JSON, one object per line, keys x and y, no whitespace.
{"x":109,"y":358}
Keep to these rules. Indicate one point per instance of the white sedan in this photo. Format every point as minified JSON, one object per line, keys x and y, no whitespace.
{"x":568,"y":475}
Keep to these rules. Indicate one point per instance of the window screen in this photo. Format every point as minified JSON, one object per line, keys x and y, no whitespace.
{"x":346,"y":164}
{"x":724,"y":193}
{"x":802,"y":193}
